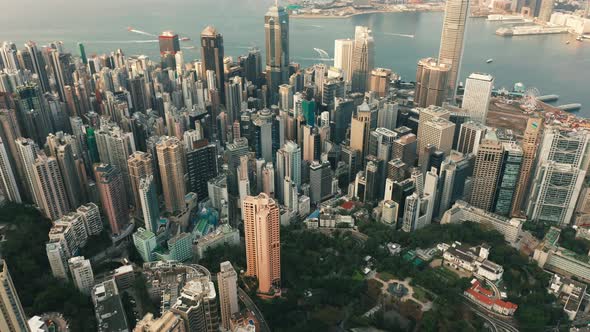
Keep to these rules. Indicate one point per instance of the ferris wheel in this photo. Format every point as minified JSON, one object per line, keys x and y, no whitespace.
{"x":530,"y":98}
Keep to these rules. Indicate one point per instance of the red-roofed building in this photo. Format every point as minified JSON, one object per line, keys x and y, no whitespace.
{"x":486,"y":299}
{"x":347,"y":205}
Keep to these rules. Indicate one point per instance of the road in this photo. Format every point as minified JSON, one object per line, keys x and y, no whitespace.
{"x":497,"y":324}
{"x":252,"y":307}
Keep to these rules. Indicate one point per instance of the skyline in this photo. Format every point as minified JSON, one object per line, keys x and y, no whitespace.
{"x":200,"y":191}
{"x":395,"y":52}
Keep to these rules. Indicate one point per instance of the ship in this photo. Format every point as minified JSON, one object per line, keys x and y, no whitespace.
{"x":489,"y":60}
{"x":185,"y":39}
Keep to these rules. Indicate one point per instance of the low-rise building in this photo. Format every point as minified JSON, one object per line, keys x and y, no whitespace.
{"x":570,"y":293}
{"x":551,"y":257}
{"x":462,"y":211}
{"x":108,"y":307}
{"x":473,"y":260}
{"x":224,"y":234}
{"x":489,"y":300}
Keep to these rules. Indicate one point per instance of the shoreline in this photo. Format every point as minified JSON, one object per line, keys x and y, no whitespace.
{"x":379,"y":11}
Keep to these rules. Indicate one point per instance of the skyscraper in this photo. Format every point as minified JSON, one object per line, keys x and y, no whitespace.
{"x":379,"y":81}
{"x":320,"y":181}
{"x":508,"y":178}
{"x":201,"y":163}
{"x":140,"y":166}
{"x":276,"y":30}
{"x":8,"y":184}
{"x":360,"y":127}
{"x":363,"y":58}
{"x":150,"y":208}
{"x":431,"y":82}
{"x":212,"y":53}
{"x":438,"y":132}
{"x":112,"y":196}
{"x":343,"y":57}
{"x":12,"y":315}
{"x":82,"y":274}
{"x":476,"y":99}
{"x":58,"y":259}
{"x":530,"y":142}
{"x":485,"y":174}
{"x":546,"y":10}
{"x":39,"y":66}
{"x":562,"y":165}
{"x":27,"y":153}
{"x":170,"y":160}
{"x":470,"y":136}
{"x":227,"y":280}
{"x":48,"y":179}
{"x":452,"y":41}
{"x":262,"y":235}
{"x":114,"y":147}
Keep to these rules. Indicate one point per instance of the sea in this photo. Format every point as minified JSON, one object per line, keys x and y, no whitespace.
{"x":545,"y":62}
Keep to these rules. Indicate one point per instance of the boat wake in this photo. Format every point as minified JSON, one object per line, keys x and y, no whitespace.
{"x":399,"y":35}
{"x":130,"y":29}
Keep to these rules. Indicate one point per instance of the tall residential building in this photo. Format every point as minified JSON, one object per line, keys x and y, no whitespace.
{"x":12,"y":315}
{"x":114,"y":147}
{"x":227,"y":281}
{"x":488,"y":164}
{"x":33,"y":113}
{"x":212,"y":53}
{"x":49,"y":182}
{"x":431,"y":82}
{"x":170,"y":160}
{"x":470,"y":136}
{"x":476,"y":99}
{"x":530,"y":143}
{"x":276,"y":31}
{"x":452,"y":41}
{"x":561,"y":167}
{"x":343,"y":49}
{"x":150,"y":208}
{"x":263,"y":242}
{"x":39,"y":67}
{"x":363,"y":58}
{"x":91,"y":217}
{"x":201,"y":166}
{"x":8,"y":184}
{"x":197,"y":305}
{"x":140,"y":165}
{"x":111,"y":189}
{"x":508,"y":178}
{"x":82,"y":275}
{"x":58,"y":259}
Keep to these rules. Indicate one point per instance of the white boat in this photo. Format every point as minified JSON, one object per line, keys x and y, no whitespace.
{"x":489,"y":60}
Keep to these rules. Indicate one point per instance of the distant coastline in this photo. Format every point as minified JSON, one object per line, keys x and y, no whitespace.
{"x":396,"y":9}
